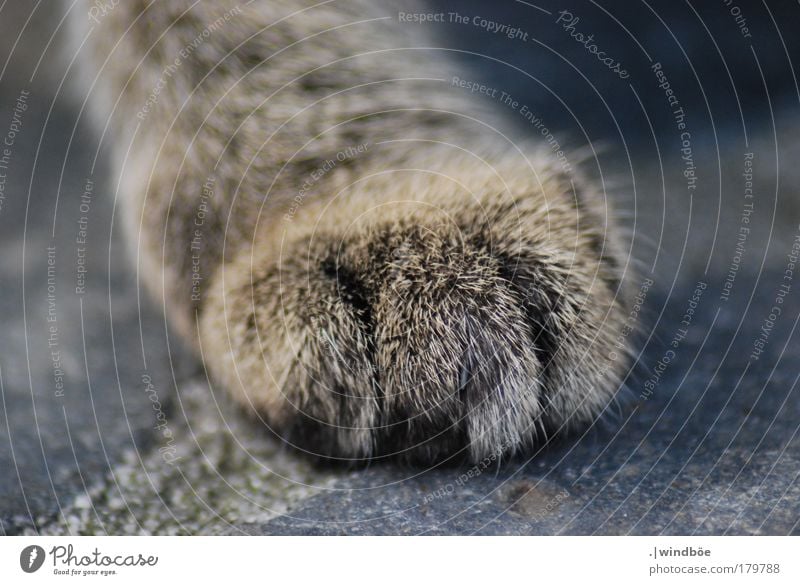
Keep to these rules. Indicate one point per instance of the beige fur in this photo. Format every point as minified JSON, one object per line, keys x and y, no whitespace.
{"x":379,"y":269}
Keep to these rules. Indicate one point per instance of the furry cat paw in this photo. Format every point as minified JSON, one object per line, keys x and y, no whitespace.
{"x":421,"y":319}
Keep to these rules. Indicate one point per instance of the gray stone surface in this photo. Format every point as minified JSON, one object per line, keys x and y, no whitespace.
{"x":711,"y":452}
{"x":71,"y":364}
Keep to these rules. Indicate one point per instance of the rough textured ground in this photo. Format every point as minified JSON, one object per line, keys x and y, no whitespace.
{"x":706,"y":443}
{"x":712,"y":452}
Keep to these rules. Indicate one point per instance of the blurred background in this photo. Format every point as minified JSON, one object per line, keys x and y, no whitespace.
{"x":707,"y":442}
